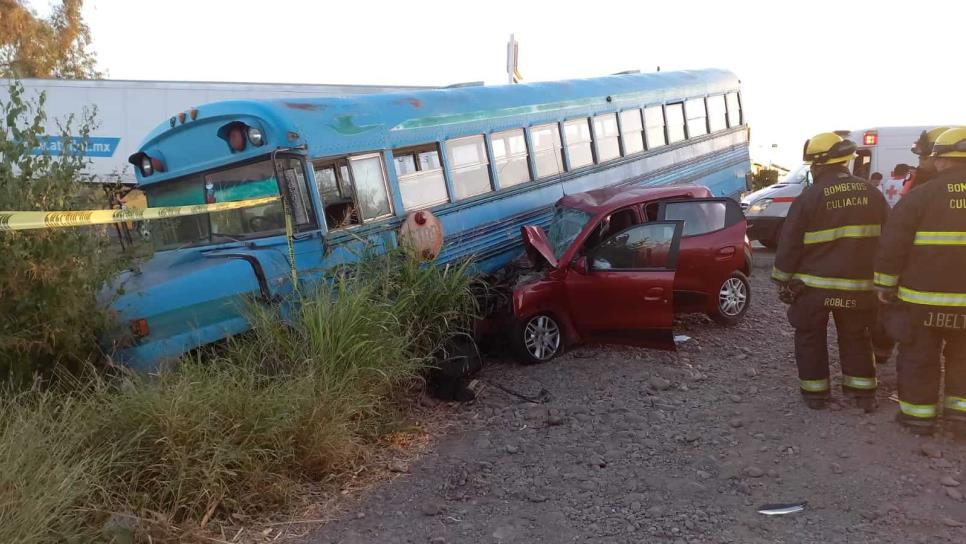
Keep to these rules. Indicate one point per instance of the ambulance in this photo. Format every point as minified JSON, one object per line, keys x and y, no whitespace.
{"x":880,"y":151}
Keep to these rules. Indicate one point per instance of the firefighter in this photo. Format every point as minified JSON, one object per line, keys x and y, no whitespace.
{"x":922,"y":148}
{"x":922,"y":255}
{"x":824,"y":265}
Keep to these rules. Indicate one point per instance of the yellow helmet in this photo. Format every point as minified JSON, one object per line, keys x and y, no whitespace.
{"x":923,"y":146}
{"x":828,"y":148}
{"x":951,"y":144}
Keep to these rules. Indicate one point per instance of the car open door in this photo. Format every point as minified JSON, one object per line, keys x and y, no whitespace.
{"x":712,"y":237}
{"x":622,"y":292}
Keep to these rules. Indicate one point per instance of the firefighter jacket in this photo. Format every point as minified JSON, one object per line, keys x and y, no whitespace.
{"x":922,"y":252}
{"x":829,"y":239}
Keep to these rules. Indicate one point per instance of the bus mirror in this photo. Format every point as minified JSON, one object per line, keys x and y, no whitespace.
{"x":749,"y":181}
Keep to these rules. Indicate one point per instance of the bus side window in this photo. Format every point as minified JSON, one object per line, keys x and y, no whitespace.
{"x":335,"y":189}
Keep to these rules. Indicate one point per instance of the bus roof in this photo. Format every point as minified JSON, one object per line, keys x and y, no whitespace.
{"x":335,"y":125}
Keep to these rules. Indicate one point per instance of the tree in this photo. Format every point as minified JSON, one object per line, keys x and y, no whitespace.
{"x":764,"y":178}
{"x":55,"y":47}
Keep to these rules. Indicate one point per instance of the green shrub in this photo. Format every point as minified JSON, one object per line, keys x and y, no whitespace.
{"x":49,"y":314}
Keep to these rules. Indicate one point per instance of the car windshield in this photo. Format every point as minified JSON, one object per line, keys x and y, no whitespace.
{"x":249,"y":181}
{"x":564,"y":228}
{"x":797,"y":176}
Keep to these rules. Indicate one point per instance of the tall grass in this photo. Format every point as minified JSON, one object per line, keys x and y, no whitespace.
{"x":241,"y":430}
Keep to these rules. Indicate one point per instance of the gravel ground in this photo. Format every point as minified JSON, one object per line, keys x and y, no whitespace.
{"x":645,"y":446}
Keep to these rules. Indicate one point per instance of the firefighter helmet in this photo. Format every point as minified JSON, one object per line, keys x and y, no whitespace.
{"x":828,"y":148}
{"x":923,"y":146}
{"x":951,"y":144}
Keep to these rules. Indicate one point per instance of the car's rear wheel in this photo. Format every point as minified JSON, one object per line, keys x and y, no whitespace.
{"x":734,"y":297}
{"x":538,"y":339}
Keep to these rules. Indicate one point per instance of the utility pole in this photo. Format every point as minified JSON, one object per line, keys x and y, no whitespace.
{"x":512,"y":61}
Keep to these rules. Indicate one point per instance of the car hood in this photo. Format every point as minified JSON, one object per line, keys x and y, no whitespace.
{"x":779,"y":189}
{"x":538,"y":246}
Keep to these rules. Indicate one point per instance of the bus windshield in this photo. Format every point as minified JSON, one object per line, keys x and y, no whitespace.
{"x":248,"y":181}
{"x":564,"y":228}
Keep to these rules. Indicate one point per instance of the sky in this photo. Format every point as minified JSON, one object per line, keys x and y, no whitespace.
{"x":805,"y":67}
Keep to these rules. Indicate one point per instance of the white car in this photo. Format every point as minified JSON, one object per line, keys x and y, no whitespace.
{"x":880,"y":150}
{"x":766,"y":208}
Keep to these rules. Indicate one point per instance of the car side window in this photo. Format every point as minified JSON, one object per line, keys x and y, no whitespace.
{"x":644,"y":247}
{"x":611,"y":224}
{"x":698,"y":217}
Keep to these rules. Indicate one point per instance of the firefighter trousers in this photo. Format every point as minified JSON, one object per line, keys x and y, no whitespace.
{"x":919,"y":366}
{"x":809,"y":315}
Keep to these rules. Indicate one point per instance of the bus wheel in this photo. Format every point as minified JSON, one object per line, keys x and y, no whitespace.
{"x":538,"y":339}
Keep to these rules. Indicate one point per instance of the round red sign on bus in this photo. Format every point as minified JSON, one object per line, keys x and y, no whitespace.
{"x":422,"y":232}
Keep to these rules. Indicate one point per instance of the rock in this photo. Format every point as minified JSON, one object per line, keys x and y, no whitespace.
{"x":954,"y":494}
{"x":555,"y":418}
{"x":950,"y":522}
{"x":597,"y":461}
{"x":656,"y":510}
{"x":931,"y":450}
{"x":736,"y":422}
{"x":505,"y":532}
{"x":398,"y":467}
{"x":361,"y":515}
{"x":703,"y":474}
{"x":949,"y":481}
{"x":736,"y":399}
{"x":773,"y":473}
{"x":753,"y":472}
{"x":650,"y":443}
{"x":751,"y":372}
{"x":431,"y":509}
{"x":511,"y":449}
{"x":659,"y":384}
{"x":482,"y":443}
{"x":836,"y":468}
{"x":941,"y":464}
{"x":844,"y":455}
{"x":437,"y":540}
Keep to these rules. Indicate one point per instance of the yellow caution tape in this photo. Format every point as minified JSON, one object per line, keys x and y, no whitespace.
{"x":48,"y":220}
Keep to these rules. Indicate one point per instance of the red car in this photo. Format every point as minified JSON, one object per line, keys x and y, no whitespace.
{"x":619,"y":262}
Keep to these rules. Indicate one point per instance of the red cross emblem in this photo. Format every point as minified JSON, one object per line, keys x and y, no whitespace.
{"x":891,"y":192}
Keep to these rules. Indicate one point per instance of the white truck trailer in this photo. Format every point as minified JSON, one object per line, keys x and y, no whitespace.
{"x":127,"y":110}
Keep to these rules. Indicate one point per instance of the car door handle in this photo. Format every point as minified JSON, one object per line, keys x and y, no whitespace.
{"x":725,"y":253}
{"x":654,"y":294}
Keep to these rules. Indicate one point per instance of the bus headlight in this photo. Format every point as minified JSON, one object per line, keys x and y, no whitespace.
{"x":147,"y":166}
{"x":759,"y":206}
{"x":255,"y":136}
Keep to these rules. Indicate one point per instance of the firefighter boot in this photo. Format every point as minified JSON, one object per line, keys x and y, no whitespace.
{"x":922,"y":426}
{"x":865,"y":400}
{"x":955,"y":424}
{"x":816,"y":401}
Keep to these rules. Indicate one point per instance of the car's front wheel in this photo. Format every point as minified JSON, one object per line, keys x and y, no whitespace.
{"x":538,"y":339}
{"x":734,"y":297}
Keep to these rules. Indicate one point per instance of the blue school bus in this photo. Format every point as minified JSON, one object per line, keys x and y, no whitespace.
{"x":484,"y":160}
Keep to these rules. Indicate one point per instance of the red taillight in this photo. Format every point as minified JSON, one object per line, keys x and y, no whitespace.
{"x":871,"y":138}
{"x":139,"y":328}
{"x":236,"y":138}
